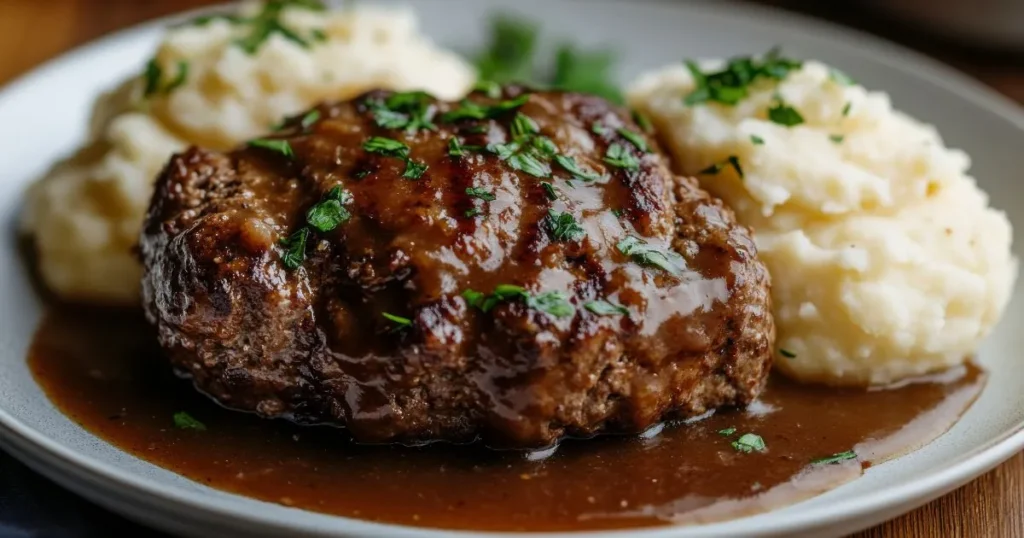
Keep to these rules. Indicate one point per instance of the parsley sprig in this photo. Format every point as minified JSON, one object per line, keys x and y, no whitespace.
{"x":323,"y":217}
{"x":410,"y":111}
{"x":731,"y":84}
{"x":564,"y":226}
{"x":153,"y":78}
{"x":528,"y":151}
{"x":552,"y":302}
{"x":645,"y":254}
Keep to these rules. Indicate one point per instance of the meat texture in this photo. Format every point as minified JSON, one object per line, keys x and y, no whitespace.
{"x":516,"y":267}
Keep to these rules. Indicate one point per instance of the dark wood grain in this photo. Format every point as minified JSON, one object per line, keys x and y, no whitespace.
{"x":32,"y":31}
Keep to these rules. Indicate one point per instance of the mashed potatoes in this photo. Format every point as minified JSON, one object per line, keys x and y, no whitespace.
{"x":886,"y":260}
{"x":205,"y":88}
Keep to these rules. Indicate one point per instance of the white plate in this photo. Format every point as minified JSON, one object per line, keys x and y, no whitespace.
{"x":43,"y":117}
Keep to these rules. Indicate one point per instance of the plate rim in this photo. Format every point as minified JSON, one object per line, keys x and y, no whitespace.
{"x":36,"y":447}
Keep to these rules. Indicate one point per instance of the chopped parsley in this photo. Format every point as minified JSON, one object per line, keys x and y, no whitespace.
{"x":731,"y":160}
{"x":480,"y":193}
{"x":411,"y":111}
{"x":386,"y":146}
{"x":549,"y":190}
{"x":279,"y":146}
{"x":634,"y":138}
{"x":309,"y":119}
{"x":552,"y":302}
{"x":267,"y":22}
{"x":153,"y":78}
{"x":599,"y":128}
{"x":846,"y":109}
{"x":727,"y":431}
{"x":621,"y":157}
{"x":295,"y":249}
{"x":489,"y":88}
{"x":644,"y":254}
{"x":473,"y":212}
{"x":469,"y":110}
{"x":329,"y":213}
{"x":836,"y":458}
{"x":605,"y":308}
{"x":787,"y":353}
{"x":397,"y":320}
{"x":839,"y":77}
{"x":185,"y":421}
{"x":528,"y":151}
{"x":838,"y":139}
{"x":617,"y":212}
{"x":749,"y":442}
{"x":756,"y":140}
{"x":455,"y":148}
{"x":730,"y":85}
{"x":642,"y":121}
{"x":573,"y":168}
{"x":414,"y":169}
{"x":784,"y":115}
{"x":564,"y":227}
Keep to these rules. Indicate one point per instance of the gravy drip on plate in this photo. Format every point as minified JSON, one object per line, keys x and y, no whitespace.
{"x":103,"y":370}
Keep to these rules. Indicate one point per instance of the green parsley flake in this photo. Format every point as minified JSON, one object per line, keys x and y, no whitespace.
{"x":455,"y":148}
{"x":489,"y":88}
{"x":621,"y":157}
{"x":553,"y":303}
{"x":836,"y":458}
{"x":784,"y":115}
{"x":564,"y":227}
{"x":599,"y":129}
{"x":469,"y":110}
{"x":153,"y":75}
{"x":642,"y":121}
{"x":185,"y":421}
{"x":605,"y":308}
{"x":749,"y":442}
{"x":309,"y":119}
{"x":587,"y":72}
{"x":386,"y":146}
{"x":267,"y":22}
{"x":617,"y":212}
{"x":480,"y":193}
{"x":634,"y":138}
{"x":787,"y":353}
{"x":473,"y":212}
{"x":727,"y":431}
{"x":523,"y":125}
{"x":574,"y":168}
{"x":414,"y":169}
{"x":550,"y":190}
{"x":838,"y":139}
{"x":730,"y":85}
{"x":280,"y":146}
{"x":731,"y":160}
{"x":756,"y":140}
{"x":846,"y":109}
{"x":411,"y":111}
{"x":646,"y":254}
{"x":295,"y":249}
{"x":398,"y":320}
{"x":328,"y":214}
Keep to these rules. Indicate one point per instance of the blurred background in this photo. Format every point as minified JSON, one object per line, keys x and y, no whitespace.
{"x":984,"y":38}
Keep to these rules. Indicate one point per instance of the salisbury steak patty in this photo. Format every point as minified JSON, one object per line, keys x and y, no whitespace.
{"x":516,"y":267}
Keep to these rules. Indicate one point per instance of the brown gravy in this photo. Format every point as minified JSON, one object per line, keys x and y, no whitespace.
{"x":104,"y":371}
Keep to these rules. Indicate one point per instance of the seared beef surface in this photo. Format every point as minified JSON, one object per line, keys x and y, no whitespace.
{"x":545,"y":275}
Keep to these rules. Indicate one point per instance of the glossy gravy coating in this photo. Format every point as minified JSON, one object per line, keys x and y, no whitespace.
{"x":105,"y":372}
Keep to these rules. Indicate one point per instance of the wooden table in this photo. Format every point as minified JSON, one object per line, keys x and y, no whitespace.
{"x":32,"y":31}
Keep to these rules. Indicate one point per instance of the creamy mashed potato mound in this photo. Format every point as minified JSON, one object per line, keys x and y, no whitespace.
{"x":886,"y":260}
{"x":85,"y":215}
